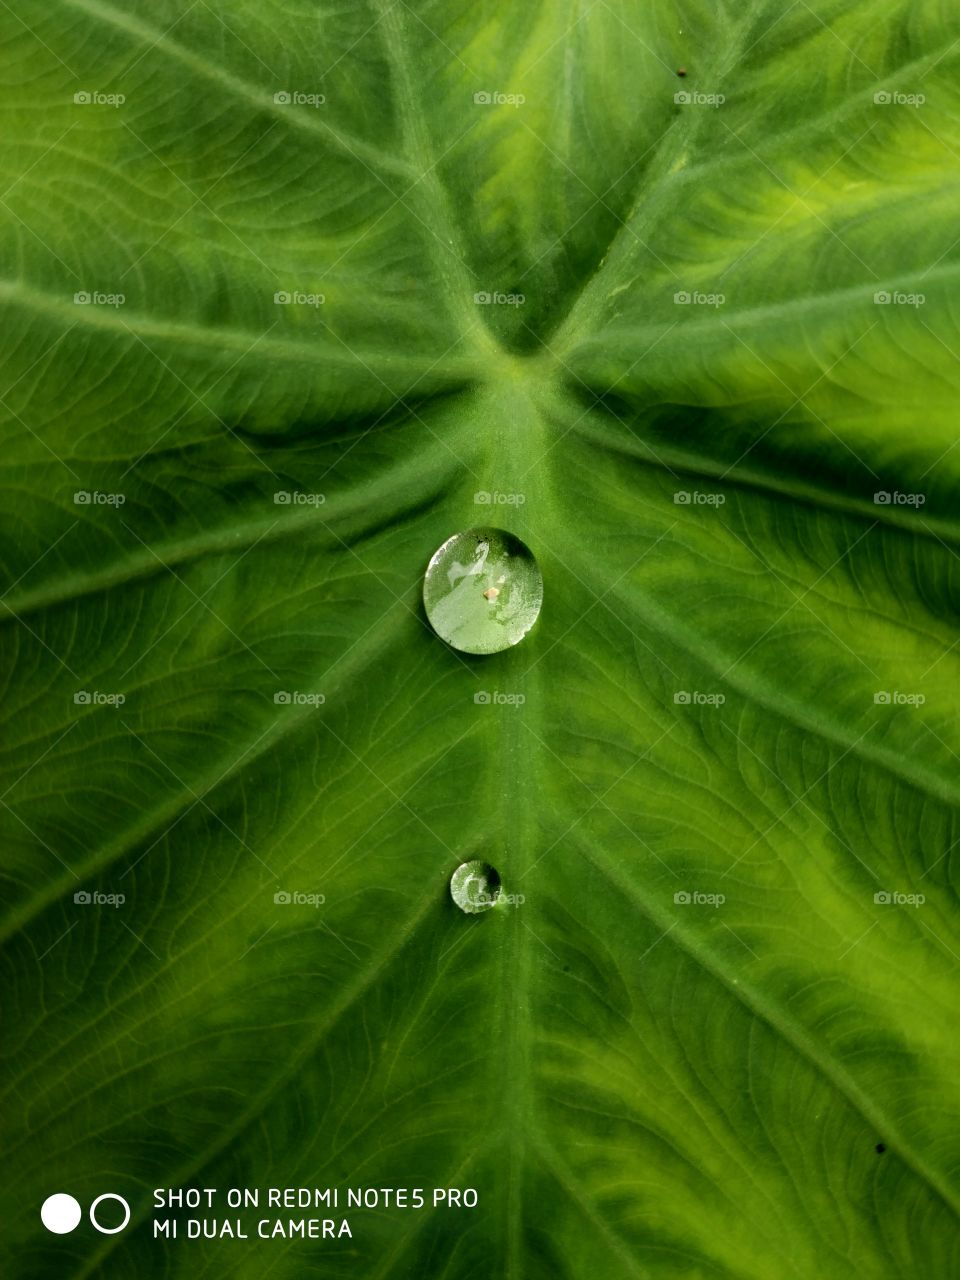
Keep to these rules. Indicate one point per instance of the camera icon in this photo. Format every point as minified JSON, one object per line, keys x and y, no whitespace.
{"x":882,"y":699}
{"x":881,"y":298}
{"x":282,"y":698}
{"x":483,"y":98}
{"x":82,"y":898}
{"x":281,"y":897}
{"x":81,"y":498}
{"x":682,"y":898}
{"x":682,"y":697}
{"x":682,"y":498}
{"x":81,"y":299}
{"x":883,"y":98}
{"x":482,"y":498}
{"x":82,"y":698}
{"x":682,"y":98}
{"x":282,"y":99}
{"x":282,"y":499}
{"x":882,"y":499}
{"x":682,"y":299}
{"x":281,"y":298}
{"x":882,"y":899}
{"x":482,"y":299}
{"x":482,"y":698}
{"x":82,"y":99}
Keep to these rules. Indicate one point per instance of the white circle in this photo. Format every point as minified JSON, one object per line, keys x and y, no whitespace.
{"x":110,"y":1231}
{"x":60,"y":1213}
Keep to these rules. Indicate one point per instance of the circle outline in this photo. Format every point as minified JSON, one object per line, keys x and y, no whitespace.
{"x":109,"y":1231}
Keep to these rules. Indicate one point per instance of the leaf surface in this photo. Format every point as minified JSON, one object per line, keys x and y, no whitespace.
{"x":714,"y":391}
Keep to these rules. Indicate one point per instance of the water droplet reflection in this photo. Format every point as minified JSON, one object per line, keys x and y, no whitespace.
{"x":482,"y":590}
{"x":475,"y":886}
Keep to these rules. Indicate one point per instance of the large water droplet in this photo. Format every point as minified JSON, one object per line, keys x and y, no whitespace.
{"x":475,"y":886}
{"x":482,"y":590}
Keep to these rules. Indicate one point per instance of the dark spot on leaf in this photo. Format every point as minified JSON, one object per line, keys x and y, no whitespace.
{"x":880,"y":1148}
{"x":681,"y":72}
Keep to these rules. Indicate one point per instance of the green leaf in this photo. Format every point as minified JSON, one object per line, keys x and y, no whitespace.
{"x":364,"y":276}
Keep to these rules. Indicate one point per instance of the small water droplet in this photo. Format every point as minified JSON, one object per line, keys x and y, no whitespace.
{"x":482,"y":590}
{"x":475,"y":886}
